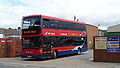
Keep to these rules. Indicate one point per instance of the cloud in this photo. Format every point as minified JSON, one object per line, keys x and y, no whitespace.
{"x":103,"y":12}
{"x":11,"y":16}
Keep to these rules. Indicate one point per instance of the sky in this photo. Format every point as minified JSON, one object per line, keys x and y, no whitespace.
{"x":93,"y":12}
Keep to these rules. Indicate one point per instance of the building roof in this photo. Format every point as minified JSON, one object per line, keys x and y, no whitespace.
{"x":92,"y":25}
{"x":9,"y":32}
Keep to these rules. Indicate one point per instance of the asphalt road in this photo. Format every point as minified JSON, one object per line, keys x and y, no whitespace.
{"x":71,"y":61}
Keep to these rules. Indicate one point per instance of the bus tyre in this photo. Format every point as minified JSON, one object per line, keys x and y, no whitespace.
{"x":79,"y":51}
{"x":54,"y":55}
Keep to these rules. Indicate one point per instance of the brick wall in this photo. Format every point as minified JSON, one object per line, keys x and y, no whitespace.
{"x":91,"y":31}
{"x":10,"y":47}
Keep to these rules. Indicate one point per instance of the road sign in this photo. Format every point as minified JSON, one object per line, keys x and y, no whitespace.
{"x":112,"y":44}
{"x":100,"y":42}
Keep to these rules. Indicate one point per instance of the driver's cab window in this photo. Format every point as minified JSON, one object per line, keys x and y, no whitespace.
{"x":37,"y":23}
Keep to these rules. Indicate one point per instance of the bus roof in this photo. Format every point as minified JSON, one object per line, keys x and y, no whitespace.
{"x":49,"y":17}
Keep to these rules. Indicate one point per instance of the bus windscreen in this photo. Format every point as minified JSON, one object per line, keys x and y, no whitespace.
{"x":32,"y":42}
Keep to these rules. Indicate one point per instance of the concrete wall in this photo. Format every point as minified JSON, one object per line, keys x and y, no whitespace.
{"x":91,"y":32}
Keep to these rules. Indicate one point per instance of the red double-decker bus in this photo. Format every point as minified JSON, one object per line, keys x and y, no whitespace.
{"x":50,"y":37}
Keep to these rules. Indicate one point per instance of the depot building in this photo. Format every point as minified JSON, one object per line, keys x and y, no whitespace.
{"x":113,"y":30}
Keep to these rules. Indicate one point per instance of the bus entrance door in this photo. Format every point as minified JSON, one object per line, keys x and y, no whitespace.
{"x":47,"y":51}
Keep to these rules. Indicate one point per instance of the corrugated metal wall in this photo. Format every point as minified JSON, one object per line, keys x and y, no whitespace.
{"x":115,"y":28}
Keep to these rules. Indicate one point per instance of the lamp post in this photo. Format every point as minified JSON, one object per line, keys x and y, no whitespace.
{"x":99,"y":32}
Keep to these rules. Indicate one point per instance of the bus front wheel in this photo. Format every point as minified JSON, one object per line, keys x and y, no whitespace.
{"x":79,"y":51}
{"x":54,"y":56}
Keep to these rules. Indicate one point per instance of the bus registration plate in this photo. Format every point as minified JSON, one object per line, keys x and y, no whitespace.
{"x":29,"y":56}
